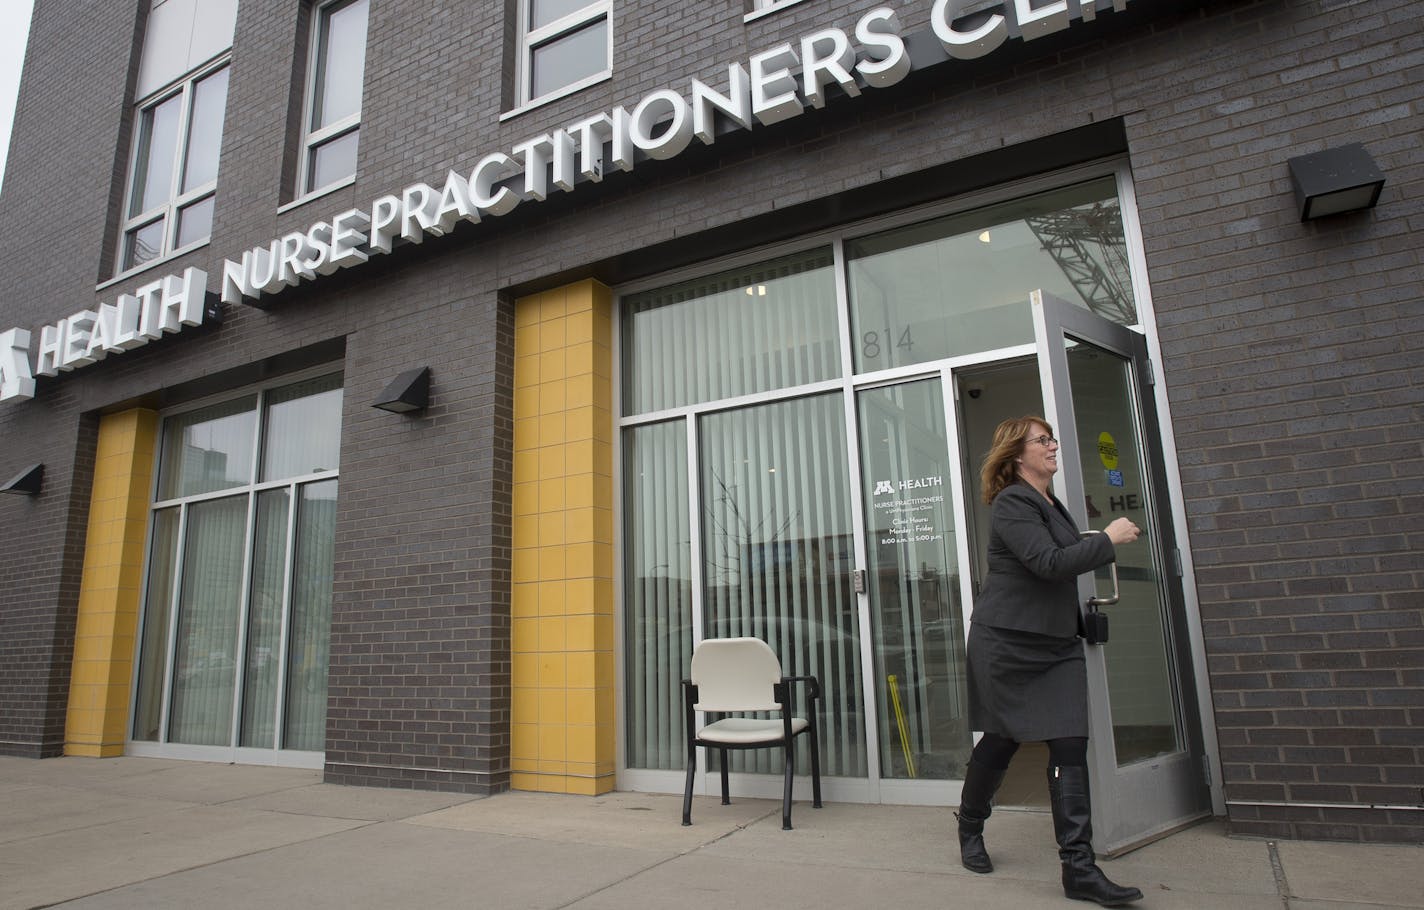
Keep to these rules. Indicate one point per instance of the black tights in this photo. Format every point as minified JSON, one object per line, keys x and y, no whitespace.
{"x":995,"y":751}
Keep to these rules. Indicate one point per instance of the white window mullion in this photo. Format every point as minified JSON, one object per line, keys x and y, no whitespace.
{"x":175,"y":600}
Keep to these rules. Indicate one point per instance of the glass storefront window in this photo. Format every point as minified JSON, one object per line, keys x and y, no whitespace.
{"x":303,"y":429}
{"x":658,"y":567}
{"x":738,"y":332}
{"x":763,"y":366}
{"x":960,"y":284}
{"x":209,"y":449}
{"x":916,"y":618}
{"x":237,"y":613}
{"x":777,"y":557}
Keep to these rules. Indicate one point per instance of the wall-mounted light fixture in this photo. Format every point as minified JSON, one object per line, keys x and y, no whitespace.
{"x":27,"y":481}
{"x":409,"y":392}
{"x":1335,"y":181}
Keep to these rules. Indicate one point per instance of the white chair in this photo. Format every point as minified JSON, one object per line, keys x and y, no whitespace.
{"x":738,"y":676}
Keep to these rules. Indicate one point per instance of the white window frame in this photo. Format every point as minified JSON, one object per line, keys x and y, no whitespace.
{"x":313,"y":139}
{"x":767,"y":7}
{"x":532,"y":39}
{"x":176,"y":201}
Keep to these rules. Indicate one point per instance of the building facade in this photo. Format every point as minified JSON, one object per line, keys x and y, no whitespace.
{"x":686,"y":320}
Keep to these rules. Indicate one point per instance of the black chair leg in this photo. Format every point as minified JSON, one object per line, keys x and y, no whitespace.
{"x":790,"y":751}
{"x":726,"y":791}
{"x":815,"y":769}
{"x":687,"y":791}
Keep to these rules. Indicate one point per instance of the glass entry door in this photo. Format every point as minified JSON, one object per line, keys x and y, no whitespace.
{"x":1144,"y":745}
{"x":912,"y":583}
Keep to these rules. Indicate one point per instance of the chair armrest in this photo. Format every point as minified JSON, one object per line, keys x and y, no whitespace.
{"x":813,"y":685}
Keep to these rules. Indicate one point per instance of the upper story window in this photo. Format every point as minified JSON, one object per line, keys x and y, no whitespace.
{"x":564,"y":45}
{"x":175,"y":168}
{"x":178,"y":127}
{"x":333,"y":114}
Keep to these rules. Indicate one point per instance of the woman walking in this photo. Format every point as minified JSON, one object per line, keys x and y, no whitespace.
{"x":1027,"y":676}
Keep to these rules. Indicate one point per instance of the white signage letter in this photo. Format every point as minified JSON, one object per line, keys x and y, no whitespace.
{"x":493,"y":168}
{"x":879,"y":31}
{"x":151,"y":319}
{"x":348,"y":232}
{"x":736,"y":105}
{"x":622,"y":143}
{"x":827,"y":57}
{"x":101,"y":333}
{"x":125,"y":333}
{"x":773,"y":88}
{"x":535,"y":153}
{"x":47,"y":357}
{"x":385,"y":212}
{"x":74,"y":351}
{"x":291,"y":254}
{"x":967,"y":45}
{"x":565,"y":158}
{"x":316,"y":258}
{"x":418,"y":204}
{"x":15,"y":378}
{"x":455,"y":204}
{"x":661,"y":107}
{"x":1035,"y":23}
{"x":591,"y":134}
{"x":237,"y":279}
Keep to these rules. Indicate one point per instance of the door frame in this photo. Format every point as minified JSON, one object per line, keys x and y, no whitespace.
{"x":1123,"y":788}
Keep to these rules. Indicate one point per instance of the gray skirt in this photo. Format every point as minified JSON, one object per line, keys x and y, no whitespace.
{"x":1025,"y":686}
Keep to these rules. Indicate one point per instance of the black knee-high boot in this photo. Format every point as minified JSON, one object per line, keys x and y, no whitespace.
{"x":1073,"y":827}
{"x":980,"y":784}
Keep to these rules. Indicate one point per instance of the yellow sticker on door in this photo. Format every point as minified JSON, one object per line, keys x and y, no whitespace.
{"x":1107,"y":450}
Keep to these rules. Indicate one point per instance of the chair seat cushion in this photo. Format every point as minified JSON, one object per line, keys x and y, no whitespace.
{"x":745,"y":730}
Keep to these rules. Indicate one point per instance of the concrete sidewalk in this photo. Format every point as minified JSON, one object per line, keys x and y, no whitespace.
{"x":148,"y":833}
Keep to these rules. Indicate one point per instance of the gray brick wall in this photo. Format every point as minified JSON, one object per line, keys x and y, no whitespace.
{"x":1292,"y":352}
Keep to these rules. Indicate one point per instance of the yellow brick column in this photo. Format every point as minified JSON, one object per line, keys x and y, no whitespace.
{"x":563,"y":730}
{"x":110,"y":585}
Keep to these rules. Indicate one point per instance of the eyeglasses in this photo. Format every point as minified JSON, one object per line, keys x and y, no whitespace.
{"x":1044,"y":440}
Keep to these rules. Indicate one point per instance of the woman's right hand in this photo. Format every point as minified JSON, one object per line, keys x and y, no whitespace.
{"x":1121,"y":531}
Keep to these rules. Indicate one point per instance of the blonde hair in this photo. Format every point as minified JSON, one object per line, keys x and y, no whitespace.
{"x":998,"y":470}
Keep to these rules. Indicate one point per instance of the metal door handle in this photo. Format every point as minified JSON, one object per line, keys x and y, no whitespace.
{"x":1096,"y":600}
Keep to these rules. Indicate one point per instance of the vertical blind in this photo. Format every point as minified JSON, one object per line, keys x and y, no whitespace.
{"x":657,"y":564}
{"x":738,"y":332}
{"x":239,"y":647}
{"x":776,"y":541}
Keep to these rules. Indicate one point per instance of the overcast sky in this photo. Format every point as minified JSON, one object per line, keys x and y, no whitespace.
{"x":14,"y":29}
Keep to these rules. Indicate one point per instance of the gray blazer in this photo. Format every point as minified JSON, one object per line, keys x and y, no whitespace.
{"x":1035,"y":557}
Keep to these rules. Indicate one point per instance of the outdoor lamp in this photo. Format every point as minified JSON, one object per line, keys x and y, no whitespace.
{"x":1334,"y":181}
{"x":409,"y":392}
{"x":27,"y":481}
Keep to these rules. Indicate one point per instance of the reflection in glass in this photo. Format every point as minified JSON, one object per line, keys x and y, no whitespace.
{"x":157,"y":149}
{"x":144,"y":244}
{"x":303,"y":431}
{"x":914,"y":582}
{"x":208,"y":449}
{"x":264,"y":619}
{"x":960,"y":284}
{"x":542,"y":12}
{"x":657,"y":559}
{"x":153,"y":644}
{"x":1141,"y":684}
{"x":204,"y":663}
{"x":305,"y":714}
{"x":340,"y":63}
{"x":205,"y":130}
{"x":195,"y":223}
{"x":753,"y":329}
{"x":778,"y":557}
{"x":334,"y":160}
{"x":565,"y":60}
